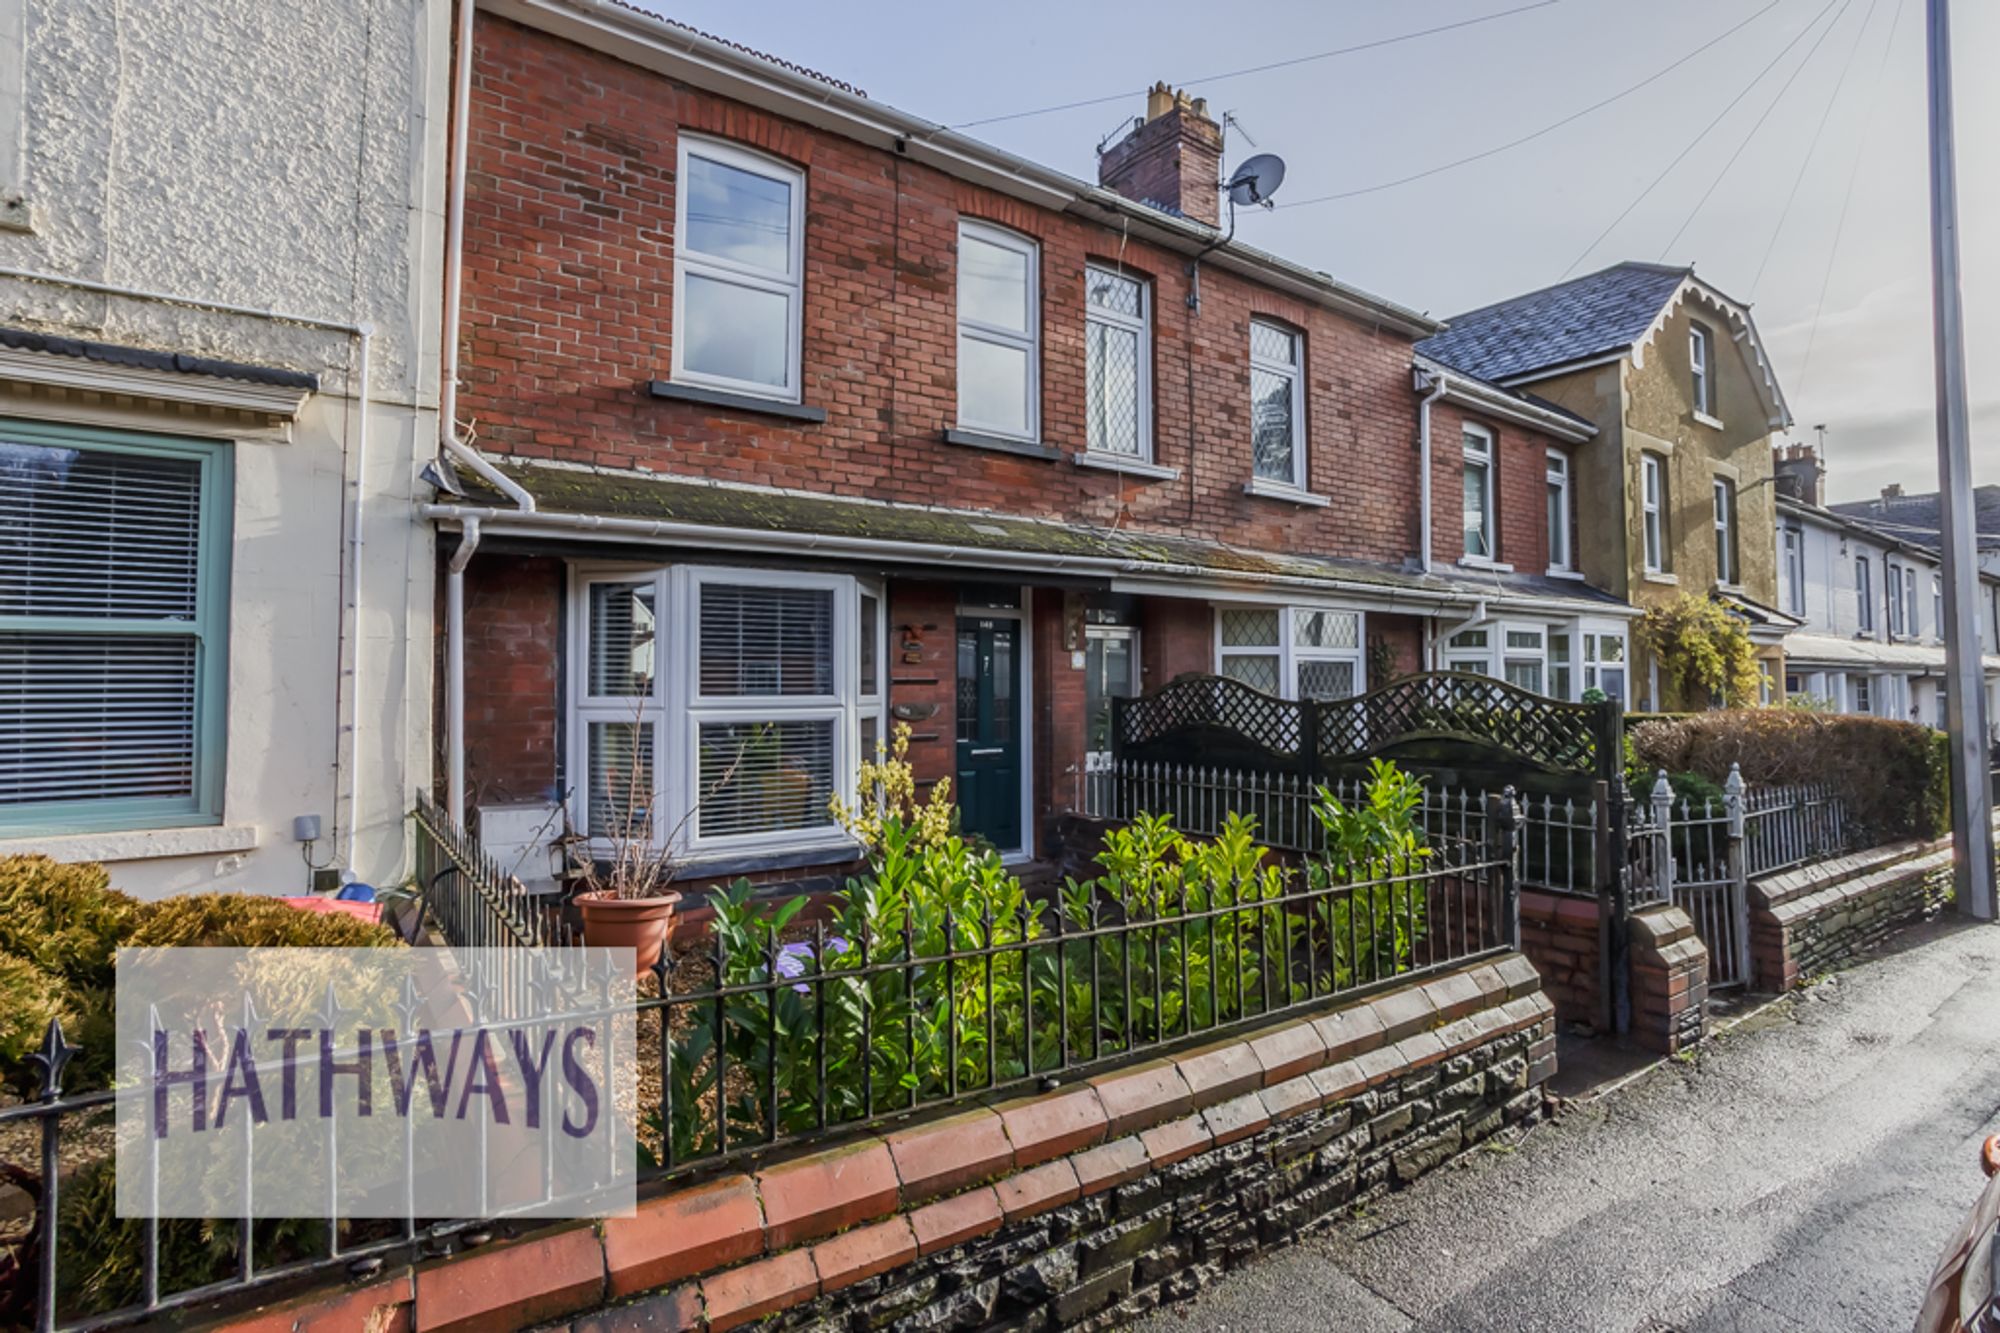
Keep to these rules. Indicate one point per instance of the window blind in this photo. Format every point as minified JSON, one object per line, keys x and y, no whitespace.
{"x":765,"y":641}
{"x":96,"y":717}
{"x":763,"y":777}
{"x":94,"y":534}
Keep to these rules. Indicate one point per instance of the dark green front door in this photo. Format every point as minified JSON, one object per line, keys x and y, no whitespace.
{"x":989,"y":729}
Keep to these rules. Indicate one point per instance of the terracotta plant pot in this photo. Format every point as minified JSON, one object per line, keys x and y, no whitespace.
{"x":638,"y":924}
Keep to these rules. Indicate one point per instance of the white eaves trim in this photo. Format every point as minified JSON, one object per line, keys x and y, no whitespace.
{"x":72,"y":372}
{"x":1497,"y":402}
{"x":653,"y":43}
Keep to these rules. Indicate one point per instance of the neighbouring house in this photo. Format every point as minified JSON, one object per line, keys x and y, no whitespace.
{"x":1686,"y":404}
{"x":1915,"y":518}
{"x":1871,"y":598}
{"x":798,"y":418}
{"x":218,"y":293}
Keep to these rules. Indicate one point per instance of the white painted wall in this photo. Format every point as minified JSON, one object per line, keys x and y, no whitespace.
{"x":283,"y":156}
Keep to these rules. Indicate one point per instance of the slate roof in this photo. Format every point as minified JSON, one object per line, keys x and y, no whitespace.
{"x":145,"y":358}
{"x":750,"y":51}
{"x":571,"y":490}
{"x":1600,"y":312}
{"x":1919,"y":520}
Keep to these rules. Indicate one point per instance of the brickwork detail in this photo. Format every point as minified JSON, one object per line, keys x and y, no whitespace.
{"x":1669,"y":980}
{"x":1561,"y":934}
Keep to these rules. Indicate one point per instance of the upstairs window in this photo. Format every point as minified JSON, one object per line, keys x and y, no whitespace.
{"x":1277,"y":405}
{"x":1118,"y":356}
{"x":1793,"y":540}
{"x":113,"y":665}
{"x":1725,"y":531}
{"x":738,"y":270}
{"x":1937,"y":607}
{"x":1561,"y":558}
{"x":1478,"y":519}
{"x":1911,"y":625}
{"x":1701,"y":369}
{"x":1653,"y":507}
{"x":999,"y":332}
{"x":1895,"y":591}
{"x":1864,"y":595}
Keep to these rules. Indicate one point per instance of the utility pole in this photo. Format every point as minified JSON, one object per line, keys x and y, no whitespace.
{"x":1965,"y":704}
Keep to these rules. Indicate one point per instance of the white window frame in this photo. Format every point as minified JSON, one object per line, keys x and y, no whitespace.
{"x":1142,"y":327}
{"x":1590,"y":640}
{"x":1289,"y":652}
{"x":1029,"y":342}
{"x":1479,"y":447}
{"x":790,"y":284}
{"x":1864,"y":594}
{"x":675,"y":708}
{"x":1562,"y":559}
{"x":1937,"y":607}
{"x":1701,"y":369}
{"x":1723,"y":492}
{"x":1653,"y":505}
{"x":1895,"y":599}
{"x":1294,"y":373}
{"x":1912,"y":627}
{"x":1492,"y":658}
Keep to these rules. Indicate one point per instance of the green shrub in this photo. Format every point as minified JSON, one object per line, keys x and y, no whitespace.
{"x":1891,"y":774}
{"x":65,"y":919}
{"x":245,"y":921}
{"x":29,"y":998}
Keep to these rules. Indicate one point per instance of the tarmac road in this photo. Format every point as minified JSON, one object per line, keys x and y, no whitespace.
{"x":1803,"y":1173}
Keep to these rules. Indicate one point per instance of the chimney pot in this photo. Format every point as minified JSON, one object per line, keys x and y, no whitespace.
{"x":1173,"y":160}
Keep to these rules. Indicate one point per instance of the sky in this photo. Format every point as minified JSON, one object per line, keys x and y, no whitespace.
{"x":1829,"y":142}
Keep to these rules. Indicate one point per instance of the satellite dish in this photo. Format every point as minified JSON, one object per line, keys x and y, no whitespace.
{"x":1257,"y":180}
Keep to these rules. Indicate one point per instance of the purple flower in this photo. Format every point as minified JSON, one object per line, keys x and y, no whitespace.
{"x":793,"y":958}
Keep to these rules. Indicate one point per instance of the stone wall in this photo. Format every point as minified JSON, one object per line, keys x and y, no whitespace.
{"x":1815,"y":917}
{"x":1081,"y":1206}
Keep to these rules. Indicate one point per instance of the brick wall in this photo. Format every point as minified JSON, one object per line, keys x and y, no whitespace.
{"x":1561,"y":934}
{"x":568,"y":305}
{"x":513,"y":625}
{"x":1669,"y":980}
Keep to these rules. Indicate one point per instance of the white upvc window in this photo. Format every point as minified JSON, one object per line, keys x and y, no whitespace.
{"x":1478,"y":513}
{"x":721,"y":709}
{"x":999,"y":332}
{"x":1562,"y":559}
{"x":1604,"y":665}
{"x":1294,"y":652}
{"x":1937,"y":607}
{"x":1701,"y":369}
{"x":1895,"y":591}
{"x":1864,"y":594}
{"x":1911,"y":625}
{"x":1277,"y":405}
{"x":1653,"y":506}
{"x":1118,"y":365}
{"x":739,"y":264}
{"x":1516,"y":652}
{"x":1725,"y":532}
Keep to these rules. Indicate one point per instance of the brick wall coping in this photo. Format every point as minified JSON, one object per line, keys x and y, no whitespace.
{"x":1808,"y":902}
{"x":733,"y":1249}
{"x":1817,"y":878}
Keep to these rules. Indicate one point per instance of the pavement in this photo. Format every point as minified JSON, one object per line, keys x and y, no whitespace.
{"x":1804,"y":1170}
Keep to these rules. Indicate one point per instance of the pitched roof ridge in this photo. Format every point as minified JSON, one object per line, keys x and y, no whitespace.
{"x":1684,"y":270}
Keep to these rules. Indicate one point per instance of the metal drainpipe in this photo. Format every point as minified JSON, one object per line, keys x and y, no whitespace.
{"x":454,"y":668}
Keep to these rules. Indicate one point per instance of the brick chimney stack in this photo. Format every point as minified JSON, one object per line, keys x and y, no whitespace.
{"x":1800,"y":473}
{"x":1172,"y":160}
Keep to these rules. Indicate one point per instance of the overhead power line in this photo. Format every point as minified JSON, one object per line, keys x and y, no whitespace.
{"x":1706,"y":130}
{"x":1208,"y":79}
{"x":1756,"y":127}
{"x":1547,"y":129}
{"x":1826,"y":114}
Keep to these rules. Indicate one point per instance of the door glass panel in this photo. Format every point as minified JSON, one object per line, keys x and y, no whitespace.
{"x":1108,"y":675}
{"x":968,"y":684}
{"x":1001,"y":731}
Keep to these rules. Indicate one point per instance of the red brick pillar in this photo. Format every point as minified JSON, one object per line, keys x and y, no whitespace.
{"x":1669,"y":980}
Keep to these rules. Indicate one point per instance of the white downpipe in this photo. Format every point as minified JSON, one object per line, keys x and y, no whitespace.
{"x":349,"y":651}
{"x":454,"y":668}
{"x":454,"y":274}
{"x":1432,"y":392}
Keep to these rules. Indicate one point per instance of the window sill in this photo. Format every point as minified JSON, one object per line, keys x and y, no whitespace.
{"x":1574,"y":575}
{"x":1274,"y":490}
{"x":1484,"y":566}
{"x":138,"y":844}
{"x":972,"y":439}
{"x":742,"y":402}
{"x":1138,"y":467}
{"x":1704,"y":419}
{"x":1660,"y":576}
{"x":748,"y":861}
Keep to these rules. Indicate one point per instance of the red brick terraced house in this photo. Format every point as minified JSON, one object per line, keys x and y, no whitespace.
{"x":802,"y":417}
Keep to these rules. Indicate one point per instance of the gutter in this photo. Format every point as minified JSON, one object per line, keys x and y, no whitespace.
{"x":653,"y":43}
{"x":1499,"y":402}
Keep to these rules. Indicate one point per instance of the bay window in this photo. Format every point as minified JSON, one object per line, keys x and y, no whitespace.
{"x":739,"y":260}
{"x":723,"y":709}
{"x":1294,"y":652}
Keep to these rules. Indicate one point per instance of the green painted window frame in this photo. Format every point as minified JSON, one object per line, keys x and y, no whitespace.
{"x":209,"y":629}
